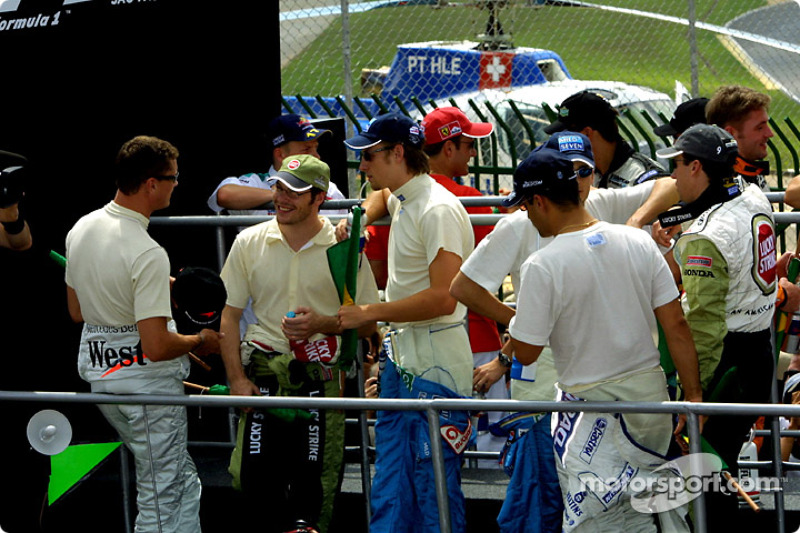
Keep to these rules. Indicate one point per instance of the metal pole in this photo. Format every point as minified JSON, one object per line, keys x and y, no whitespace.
{"x":693,"y":51}
{"x":221,"y":255}
{"x":437,"y":456}
{"x":775,"y":426}
{"x":347,"y":68}
{"x":125,"y":481}
{"x":366,"y":481}
{"x":221,"y":252}
{"x":693,"y":425}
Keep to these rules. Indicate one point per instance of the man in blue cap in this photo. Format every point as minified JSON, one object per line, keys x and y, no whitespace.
{"x":248,"y":194}
{"x":427,"y":351}
{"x":600,"y":332}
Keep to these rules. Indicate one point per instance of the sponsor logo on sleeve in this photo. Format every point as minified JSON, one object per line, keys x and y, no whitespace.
{"x":699,"y":261}
{"x":764,"y":259}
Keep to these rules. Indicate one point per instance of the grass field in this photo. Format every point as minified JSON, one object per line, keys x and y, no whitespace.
{"x":594,"y":44}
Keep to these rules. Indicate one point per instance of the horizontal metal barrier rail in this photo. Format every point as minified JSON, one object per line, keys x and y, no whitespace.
{"x":466,"y":201}
{"x":248,"y":220}
{"x":432,"y":408}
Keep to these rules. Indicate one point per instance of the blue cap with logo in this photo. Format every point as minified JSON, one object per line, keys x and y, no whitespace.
{"x":544,"y":169}
{"x":286,"y":128}
{"x":574,"y":145}
{"x":392,"y":128}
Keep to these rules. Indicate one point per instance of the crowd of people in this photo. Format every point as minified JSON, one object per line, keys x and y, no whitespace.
{"x":630,"y":283}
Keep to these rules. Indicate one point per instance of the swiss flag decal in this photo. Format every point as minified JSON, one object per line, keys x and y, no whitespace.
{"x":495,"y":70}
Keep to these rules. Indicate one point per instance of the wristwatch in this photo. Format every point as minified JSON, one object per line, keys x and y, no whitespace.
{"x":504,"y":360}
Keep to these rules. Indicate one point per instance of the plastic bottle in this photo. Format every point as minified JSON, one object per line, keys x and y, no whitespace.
{"x":294,"y":344}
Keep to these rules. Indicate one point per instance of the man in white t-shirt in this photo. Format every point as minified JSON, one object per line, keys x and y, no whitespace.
{"x":594,"y":294}
{"x":118,"y":285}
{"x":530,"y":454}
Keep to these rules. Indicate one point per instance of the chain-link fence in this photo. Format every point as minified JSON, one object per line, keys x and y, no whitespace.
{"x":339,"y":47}
{"x":513,"y":61}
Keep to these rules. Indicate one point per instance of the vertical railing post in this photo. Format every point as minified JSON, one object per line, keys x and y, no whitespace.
{"x":125,"y":481}
{"x":693,"y":425}
{"x":439,"y":476}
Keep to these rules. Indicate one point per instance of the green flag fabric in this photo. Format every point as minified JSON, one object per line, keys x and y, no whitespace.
{"x":343,"y":262}
{"x":74,"y":464}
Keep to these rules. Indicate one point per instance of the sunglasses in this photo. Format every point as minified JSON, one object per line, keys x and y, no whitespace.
{"x":584,"y":172}
{"x":293,"y":195}
{"x":368,"y":156}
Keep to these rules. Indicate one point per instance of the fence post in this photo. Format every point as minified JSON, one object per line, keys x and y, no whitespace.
{"x":437,"y":456}
{"x":348,"y":82}
{"x":693,"y":425}
{"x":693,"y":52}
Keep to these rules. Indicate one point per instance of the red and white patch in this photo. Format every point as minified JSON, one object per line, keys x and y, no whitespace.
{"x":293,"y":164}
{"x":699,"y":261}
{"x":764,"y":258}
{"x":495,"y":70}
{"x":457,"y":440}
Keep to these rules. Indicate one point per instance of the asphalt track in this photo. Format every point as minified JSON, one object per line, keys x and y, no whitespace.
{"x":778,"y":66}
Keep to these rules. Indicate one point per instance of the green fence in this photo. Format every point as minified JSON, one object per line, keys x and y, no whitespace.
{"x":498,"y":156}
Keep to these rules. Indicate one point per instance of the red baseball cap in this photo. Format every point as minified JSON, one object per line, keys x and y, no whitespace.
{"x":447,"y":122}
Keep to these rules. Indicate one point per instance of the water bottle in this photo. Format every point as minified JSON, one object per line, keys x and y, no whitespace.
{"x":293,"y":345}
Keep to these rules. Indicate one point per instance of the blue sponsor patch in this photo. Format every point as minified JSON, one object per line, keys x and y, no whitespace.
{"x":570,"y":143}
{"x":594,"y":240}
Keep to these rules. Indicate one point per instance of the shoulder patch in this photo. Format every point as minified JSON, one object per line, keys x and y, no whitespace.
{"x":650,"y":174}
{"x":699,"y":261}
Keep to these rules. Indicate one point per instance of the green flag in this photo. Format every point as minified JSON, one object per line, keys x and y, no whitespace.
{"x":74,"y":464}
{"x":343,"y":261}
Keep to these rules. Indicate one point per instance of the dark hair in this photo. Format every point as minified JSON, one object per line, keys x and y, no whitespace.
{"x":316,"y":192}
{"x":432,"y":150}
{"x":416,"y":160}
{"x":716,"y":172}
{"x":141,"y":158}
{"x":566,"y":194}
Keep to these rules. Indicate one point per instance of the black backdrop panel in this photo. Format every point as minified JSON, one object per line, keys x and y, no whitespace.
{"x":80,"y":77}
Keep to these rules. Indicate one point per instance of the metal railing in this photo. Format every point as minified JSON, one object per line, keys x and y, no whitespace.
{"x":432,"y":407}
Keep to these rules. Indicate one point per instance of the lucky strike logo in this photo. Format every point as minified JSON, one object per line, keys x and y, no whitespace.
{"x":764,"y":258}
